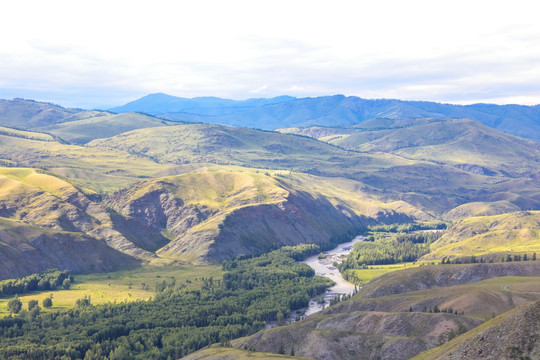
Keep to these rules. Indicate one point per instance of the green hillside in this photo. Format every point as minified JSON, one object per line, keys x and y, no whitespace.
{"x":202,"y":143}
{"x":99,"y":170}
{"x":25,"y":134}
{"x":512,"y":233}
{"x":224,"y":211}
{"x":29,"y":114}
{"x":463,"y":143}
{"x":101,"y":125}
{"x":427,"y":185}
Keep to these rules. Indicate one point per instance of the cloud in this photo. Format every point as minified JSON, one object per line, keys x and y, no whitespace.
{"x":92,"y":53}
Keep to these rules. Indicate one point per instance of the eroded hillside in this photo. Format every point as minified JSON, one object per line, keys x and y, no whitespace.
{"x":215,"y":215}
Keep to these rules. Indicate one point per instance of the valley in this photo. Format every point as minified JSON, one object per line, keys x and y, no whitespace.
{"x":188,"y":230}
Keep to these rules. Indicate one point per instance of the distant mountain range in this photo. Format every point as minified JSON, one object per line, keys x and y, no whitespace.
{"x":332,"y":111}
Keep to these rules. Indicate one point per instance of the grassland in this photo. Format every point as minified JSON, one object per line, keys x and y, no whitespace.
{"x":98,"y":170}
{"x":451,"y":141}
{"x":102,"y":125}
{"x":363,"y":276}
{"x":513,"y":233}
{"x":240,"y":146}
{"x":125,"y":285}
{"x":26,"y":134}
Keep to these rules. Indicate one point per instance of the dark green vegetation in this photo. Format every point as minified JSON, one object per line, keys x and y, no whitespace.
{"x":390,"y":245}
{"x":177,"y":321}
{"x":47,"y":280}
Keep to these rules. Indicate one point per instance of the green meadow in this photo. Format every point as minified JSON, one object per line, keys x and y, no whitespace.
{"x":120,"y":286}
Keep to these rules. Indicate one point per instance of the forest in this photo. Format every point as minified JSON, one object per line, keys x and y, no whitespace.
{"x":177,"y":321}
{"x":46,"y":280}
{"x":388,"y":244}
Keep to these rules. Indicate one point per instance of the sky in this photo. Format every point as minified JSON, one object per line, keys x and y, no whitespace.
{"x":99,"y":54}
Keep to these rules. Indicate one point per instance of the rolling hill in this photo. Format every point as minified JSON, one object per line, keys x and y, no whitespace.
{"x":54,"y":205}
{"x":337,"y":110}
{"x":492,"y":236}
{"x":99,"y":171}
{"x":395,"y":177}
{"x":98,"y":125}
{"x":222,"y":212}
{"x":462,"y":143}
{"x":29,"y":114}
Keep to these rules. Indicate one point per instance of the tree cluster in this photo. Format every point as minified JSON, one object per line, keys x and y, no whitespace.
{"x":178,"y":321}
{"x":47,"y":280}
{"x":384,"y":251}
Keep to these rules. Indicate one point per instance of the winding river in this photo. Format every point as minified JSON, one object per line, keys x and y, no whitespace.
{"x":325,"y":267}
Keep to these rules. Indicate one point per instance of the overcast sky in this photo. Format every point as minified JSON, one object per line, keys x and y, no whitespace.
{"x":105,"y":53}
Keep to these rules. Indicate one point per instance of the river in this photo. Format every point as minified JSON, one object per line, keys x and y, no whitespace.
{"x":325,"y":267}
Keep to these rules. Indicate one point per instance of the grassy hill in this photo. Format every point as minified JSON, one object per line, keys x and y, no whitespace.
{"x":463,"y":143}
{"x":426,"y":184}
{"x":26,"y":134}
{"x":204,"y":143}
{"x":497,"y":235}
{"x":224,"y":211}
{"x":28,"y":114}
{"x":98,"y":125}
{"x":110,"y":164}
{"x":50,"y":203}
{"x":98,"y":170}
{"x":26,"y":249}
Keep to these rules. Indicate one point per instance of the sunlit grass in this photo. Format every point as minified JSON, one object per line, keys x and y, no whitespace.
{"x":363,"y":276}
{"x":126,"y":285}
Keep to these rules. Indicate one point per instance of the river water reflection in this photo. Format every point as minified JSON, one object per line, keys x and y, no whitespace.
{"x":325,"y":267}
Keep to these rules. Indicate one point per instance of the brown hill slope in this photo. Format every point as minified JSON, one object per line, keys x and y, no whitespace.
{"x":512,"y":335}
{"x":427,"y":277}
{"x":27,"y":249}
{"x":398,"y":326}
